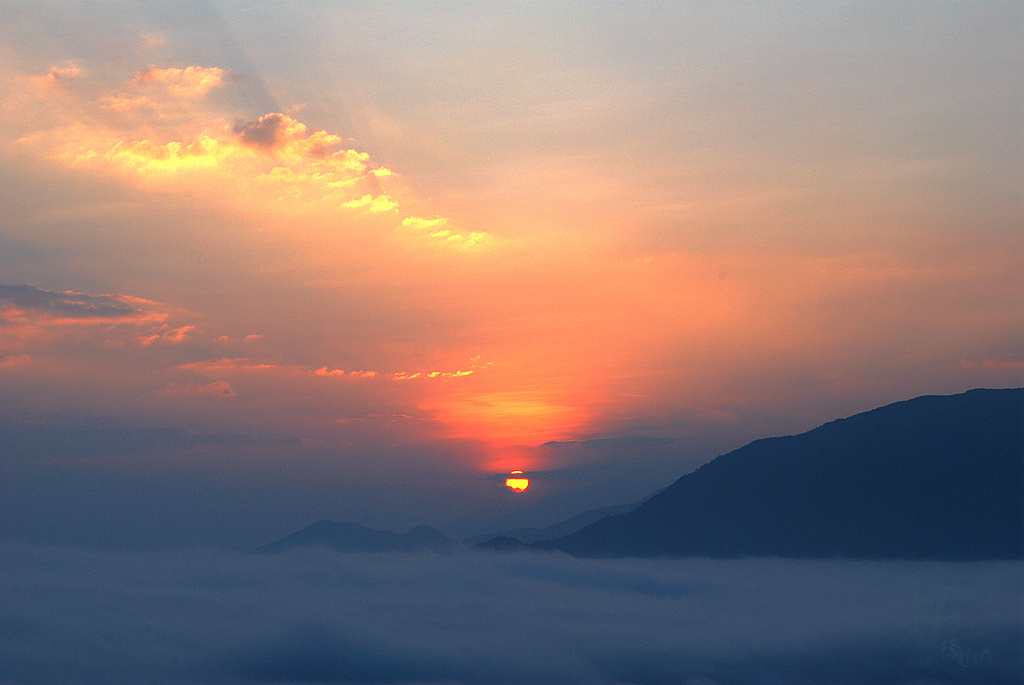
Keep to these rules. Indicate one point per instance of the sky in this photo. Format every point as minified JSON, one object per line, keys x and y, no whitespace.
{"x":263,"y":263}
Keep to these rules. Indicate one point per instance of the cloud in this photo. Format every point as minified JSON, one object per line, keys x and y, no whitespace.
{"x":317,"y":616}
{"x":213,"y":367}
{"x":317,"y":155}
{"x":402,"y":376}
{"x":437,"y":228}
{"x":217,"y":389}
{"x":70,"y":308}
{"x":274,"y":130}
{"x":58,"y":75}
{"x":159,"y":133}
{"x":137,"y":356}
{"x":219,"y":366}
{"x":124,"y":103}
{"x":381,"y":203}
{"x":423,"y":224}
{"x":173,"y":336}
{"x":31,"y":319}
{"x":189,"y":83}
{"x":163,"y":132}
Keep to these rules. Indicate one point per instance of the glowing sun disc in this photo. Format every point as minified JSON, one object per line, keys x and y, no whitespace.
{"x":517,"y":484}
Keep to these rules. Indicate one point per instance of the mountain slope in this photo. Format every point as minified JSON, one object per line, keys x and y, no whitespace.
{"x":352,"y":537}
{"x":929,"y":478}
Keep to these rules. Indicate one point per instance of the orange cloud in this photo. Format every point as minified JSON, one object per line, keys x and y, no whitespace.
{"x":216,"y":389}
{"x":58,"y":75}
{"x":190,"y":82}
{"x":71,"y":330}
{"x":26,"y":312}
{"x":172,"y":336}
{"x":219,"y":366}
{"x":125,"y":103}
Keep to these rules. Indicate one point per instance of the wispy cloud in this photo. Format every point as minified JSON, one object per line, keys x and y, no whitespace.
{"x":219,"y":366}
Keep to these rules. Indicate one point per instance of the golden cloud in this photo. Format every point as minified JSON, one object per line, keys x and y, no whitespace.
{"x":381,"y":203}
{"x":324,"y":371}
{"x":438,"y":229}
{"x":160,"y":131}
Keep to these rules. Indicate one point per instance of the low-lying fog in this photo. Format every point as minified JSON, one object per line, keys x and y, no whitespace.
{"x":316,"y":616}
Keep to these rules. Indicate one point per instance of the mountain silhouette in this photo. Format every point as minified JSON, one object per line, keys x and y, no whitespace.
{"x":503,"y":543}
{"x":936,"y":477}
{"x":352,"y":537}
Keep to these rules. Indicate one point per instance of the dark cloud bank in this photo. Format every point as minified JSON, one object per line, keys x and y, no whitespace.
{"x":314,"y":616}
{"x":70,"y":304}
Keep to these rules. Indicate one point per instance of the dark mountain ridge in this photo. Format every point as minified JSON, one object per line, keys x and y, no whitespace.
{"x":936,"y":477}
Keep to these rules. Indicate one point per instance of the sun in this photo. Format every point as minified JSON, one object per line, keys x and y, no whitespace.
{"x":517,"y":482}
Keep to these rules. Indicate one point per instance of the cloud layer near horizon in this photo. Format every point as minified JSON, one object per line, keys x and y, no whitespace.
{"x":323,"y":617}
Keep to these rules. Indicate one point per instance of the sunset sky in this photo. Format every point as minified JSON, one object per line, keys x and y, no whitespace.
{"x":378,"y":254}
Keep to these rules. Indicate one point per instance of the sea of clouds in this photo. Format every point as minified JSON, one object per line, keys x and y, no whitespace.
{"x":315,"y":616}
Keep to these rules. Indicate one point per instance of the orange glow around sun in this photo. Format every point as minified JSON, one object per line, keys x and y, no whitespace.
{"x":506,"y":417}
{"x":517,"y":482}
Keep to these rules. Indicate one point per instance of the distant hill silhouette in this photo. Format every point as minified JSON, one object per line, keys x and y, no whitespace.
{"x":930,"y":478}
{"x":503,"y":543}
{"x":352,"y":537}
